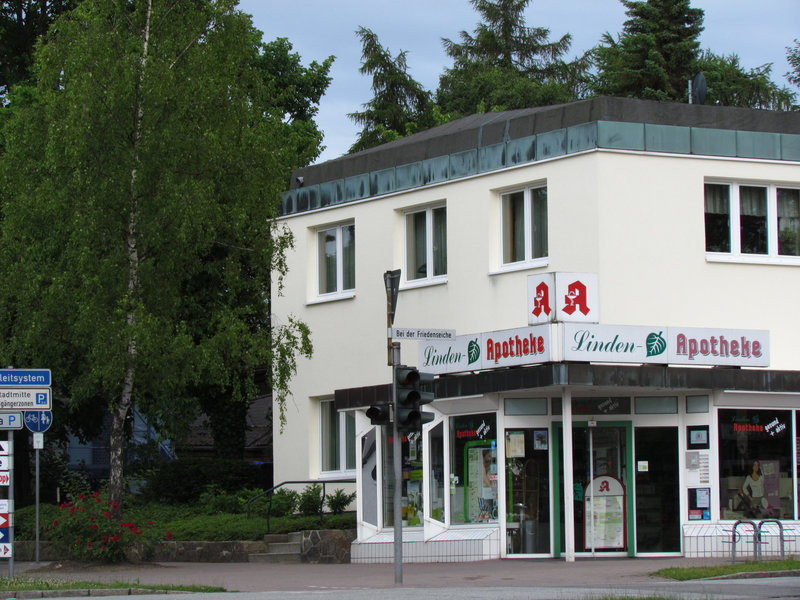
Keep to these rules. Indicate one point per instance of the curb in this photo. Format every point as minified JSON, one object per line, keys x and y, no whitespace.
{"x":81,"y":593}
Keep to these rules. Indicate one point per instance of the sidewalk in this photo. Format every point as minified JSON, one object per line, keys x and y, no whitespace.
{"x":258,"y":577}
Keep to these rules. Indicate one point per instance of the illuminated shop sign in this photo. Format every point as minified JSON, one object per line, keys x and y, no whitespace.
{"x":666,"y":345}
{"x":510,"y":347}
{"x":563,"y":297}
{"x":592,"y":342}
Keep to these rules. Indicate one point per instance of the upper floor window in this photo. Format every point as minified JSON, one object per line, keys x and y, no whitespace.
{"x":337,"y":439}
{"x":336,"y":259}
{"x":426,"y":244}
{"x":752,"y":222}
{"x":524,"y":225}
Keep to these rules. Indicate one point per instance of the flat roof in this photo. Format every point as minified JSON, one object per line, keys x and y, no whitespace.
{"x":496,"y":140}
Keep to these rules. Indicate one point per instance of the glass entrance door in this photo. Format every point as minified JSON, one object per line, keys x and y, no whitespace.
{"x":527,"y":474}
{"x":601,"y":457}
{"x":657,"y":485}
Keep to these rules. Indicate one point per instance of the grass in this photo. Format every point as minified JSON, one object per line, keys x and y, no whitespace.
{"x":24,"y":583}
{"x":687,"y":573}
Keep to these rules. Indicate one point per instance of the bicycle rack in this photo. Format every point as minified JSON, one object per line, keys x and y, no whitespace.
{"x":780,"y":529}
{"x":755,"y":539}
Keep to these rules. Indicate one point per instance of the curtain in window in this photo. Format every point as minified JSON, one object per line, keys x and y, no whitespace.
{"x":329,"y":425}
{"x":538,"y":222}
{"x":788,"y":222}
{"x":753,"y":219}
{"x":348,"y":257}
{"x":717,"y":218}
{"x":439,"y":241}
{"x":326,"y":246}
{"x":416,"y":246}
{"x":513,"y":227}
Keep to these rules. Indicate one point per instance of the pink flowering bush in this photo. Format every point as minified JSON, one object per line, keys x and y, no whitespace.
{"x":87,"y":530}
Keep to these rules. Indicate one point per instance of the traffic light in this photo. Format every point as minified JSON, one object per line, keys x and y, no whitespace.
{"x":410,"y":399}
{"x":379,"y":414}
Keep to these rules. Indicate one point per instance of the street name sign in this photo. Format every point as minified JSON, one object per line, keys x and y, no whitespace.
{"x":4,"y":444}
{"x":25,"y":399}
{"x":10,"y":421}
{"x":421,"y":333}
{"x":4,"y":463}
{"x":5,"y":550}
{"x":25,"y":377}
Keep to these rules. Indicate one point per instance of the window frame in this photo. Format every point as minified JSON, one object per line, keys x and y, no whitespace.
{"x":528,"y":261}
{"x":430,"y":245}
{"x":341,"y":443}
{"x":340,"y":291}
{"x":735,"y":253}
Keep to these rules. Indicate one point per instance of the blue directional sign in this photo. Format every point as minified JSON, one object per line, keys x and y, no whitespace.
{"x":25,"y":377}
{"x":38,"y":421}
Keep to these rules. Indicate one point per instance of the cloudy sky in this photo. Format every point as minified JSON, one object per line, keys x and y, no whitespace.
{"x":758,"y":32}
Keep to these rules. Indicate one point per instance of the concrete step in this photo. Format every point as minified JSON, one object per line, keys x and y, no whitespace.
{"x":281,"y":548}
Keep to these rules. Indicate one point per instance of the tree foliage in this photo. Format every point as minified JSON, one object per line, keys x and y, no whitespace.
{"x":506,"y":65}
{"x":729,"y":84}
{"x":400,"y":105}
{"x":655,"y":55}
{"x":140,"y":185}
{"x":793,"y":57}
{"x":22,"y":23}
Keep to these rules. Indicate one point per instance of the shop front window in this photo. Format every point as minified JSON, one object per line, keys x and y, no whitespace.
{"x":473,"y":469}
{"x":411,"y":480}
{"x":437,"y":472}
{"x":755,"y":462}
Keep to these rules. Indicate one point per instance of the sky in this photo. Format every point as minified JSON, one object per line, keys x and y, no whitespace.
{"x":758,"y":32}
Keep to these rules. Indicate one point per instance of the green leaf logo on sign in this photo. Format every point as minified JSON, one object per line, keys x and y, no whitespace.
{"x":473,"y":351}
{"x":656,"y":344}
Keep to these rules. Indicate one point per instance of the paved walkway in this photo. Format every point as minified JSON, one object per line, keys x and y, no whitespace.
{"x":254,"y":577}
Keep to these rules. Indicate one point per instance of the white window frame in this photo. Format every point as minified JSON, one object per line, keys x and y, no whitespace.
{"x":340,"y":291}
{"x":734,"y":210}
{"x":429,"y":278}
{"x":529,"y":261}
{"x":342,"y":445}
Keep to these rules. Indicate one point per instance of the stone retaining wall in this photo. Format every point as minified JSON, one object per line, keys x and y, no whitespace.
{"x":318,"y":546}
{"x":327,"y":546}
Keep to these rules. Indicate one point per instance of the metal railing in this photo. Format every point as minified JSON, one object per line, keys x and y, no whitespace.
{"x":271,"y":492}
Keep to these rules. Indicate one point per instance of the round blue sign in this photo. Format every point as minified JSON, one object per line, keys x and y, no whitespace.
{"x":38,"y":421}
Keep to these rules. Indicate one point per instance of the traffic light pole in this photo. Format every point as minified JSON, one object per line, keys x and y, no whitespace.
{"x":398,"y":473}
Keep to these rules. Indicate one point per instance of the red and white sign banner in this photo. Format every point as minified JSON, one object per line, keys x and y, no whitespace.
{"x":591,"y":342}
{"x":5,"y":478}
{"x":5,"y":551}
{"x":506,"y":348}
{"x":565,"y":297}
{"x":666,"y":345}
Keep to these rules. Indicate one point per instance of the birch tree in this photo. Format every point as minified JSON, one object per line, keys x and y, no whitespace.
{"x":148,"y":165}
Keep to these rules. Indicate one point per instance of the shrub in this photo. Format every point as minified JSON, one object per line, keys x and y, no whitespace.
{"x":311,"y":500}
{"x":88,"y":530}
{"x":184,"y":481}
{"x":284,"y":502}
{"x":338,"y":501}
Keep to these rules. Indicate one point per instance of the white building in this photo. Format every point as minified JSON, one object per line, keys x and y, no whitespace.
{"x":664,"y":240}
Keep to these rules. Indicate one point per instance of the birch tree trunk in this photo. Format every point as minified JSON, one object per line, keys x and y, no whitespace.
{"x":121,"y":410}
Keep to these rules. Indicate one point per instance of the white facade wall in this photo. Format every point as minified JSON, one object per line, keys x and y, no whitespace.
{"x":635,"y":219}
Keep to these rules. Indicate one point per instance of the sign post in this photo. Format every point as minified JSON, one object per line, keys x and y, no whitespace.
{"x":38,"y":421}
{"x":391,"y":280}
{"x":20,"y":389}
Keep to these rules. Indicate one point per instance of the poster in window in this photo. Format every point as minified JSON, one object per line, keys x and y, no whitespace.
{"x":697,"y":437}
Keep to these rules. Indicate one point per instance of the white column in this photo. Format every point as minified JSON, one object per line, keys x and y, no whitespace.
{"x":569,"y":492}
